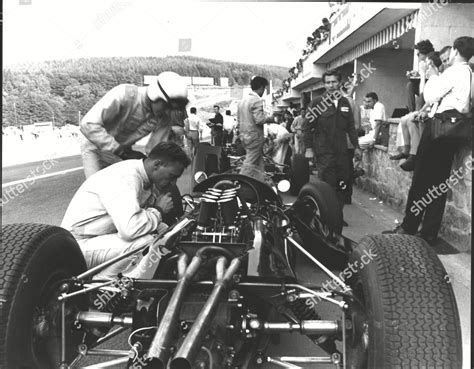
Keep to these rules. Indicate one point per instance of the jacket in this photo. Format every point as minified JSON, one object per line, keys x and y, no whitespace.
{"x":328,"y":125}
{"x":120,"y":118}
{"x":250,"y":114}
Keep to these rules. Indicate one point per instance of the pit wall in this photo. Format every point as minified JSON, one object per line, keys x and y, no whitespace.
{"x":390,"y":183}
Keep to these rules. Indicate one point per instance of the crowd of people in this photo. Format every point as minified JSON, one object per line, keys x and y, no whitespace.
{"x":435,"y":132}
{"x":129,"y":197}
{"x":319,"y":35}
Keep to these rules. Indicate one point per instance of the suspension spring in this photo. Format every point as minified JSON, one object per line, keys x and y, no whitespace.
{"x":304,"y":309}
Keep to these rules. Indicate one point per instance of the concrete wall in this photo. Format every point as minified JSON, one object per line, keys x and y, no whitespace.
{"x":442,"y":24}
{"x":388,"y":79}
{"x":389,"y":182}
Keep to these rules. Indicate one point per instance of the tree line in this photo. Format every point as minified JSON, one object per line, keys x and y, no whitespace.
{"x":62,"y":90}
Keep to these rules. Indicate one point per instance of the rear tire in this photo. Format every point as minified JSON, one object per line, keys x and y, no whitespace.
{"x":411,"y":318}
{"x":299,"y":173}
{"x":36,"y":259}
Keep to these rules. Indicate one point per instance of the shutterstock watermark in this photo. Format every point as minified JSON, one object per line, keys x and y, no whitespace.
{"x":315,"y":111}
{"x":105,"y":16}
{"x":351,"y":269}
{"x":437,"y":191}
{"x":15,"y":190}
{"x":429,"y":10}
{"x":105,"y":296}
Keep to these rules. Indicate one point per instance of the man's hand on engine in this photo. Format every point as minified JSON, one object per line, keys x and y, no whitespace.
{"x":165,"y":203}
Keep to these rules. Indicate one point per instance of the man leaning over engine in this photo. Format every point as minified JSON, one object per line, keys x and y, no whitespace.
{"x":116,"y":209}
{"x":128,"y":113}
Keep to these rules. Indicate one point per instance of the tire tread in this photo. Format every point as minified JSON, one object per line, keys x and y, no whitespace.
{"x":420,"y":319}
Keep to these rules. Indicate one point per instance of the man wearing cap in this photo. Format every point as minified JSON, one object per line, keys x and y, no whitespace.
{"x":128,"y":113}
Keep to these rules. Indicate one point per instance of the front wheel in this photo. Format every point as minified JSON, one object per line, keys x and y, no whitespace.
{"x":37,"y":259}
{"x":405,"y":313}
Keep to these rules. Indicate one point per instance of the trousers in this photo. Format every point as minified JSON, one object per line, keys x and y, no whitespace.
{"x":426,"y":199}
{"x":99,"y":249}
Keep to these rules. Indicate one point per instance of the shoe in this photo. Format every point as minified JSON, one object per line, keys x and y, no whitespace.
{"x":430,"y":240}
{"x":400,"y":156}
{"x":344,"y":223}
{"x":398,"y":230}
{"x":358,"y":173}
{"x":409,"y":164}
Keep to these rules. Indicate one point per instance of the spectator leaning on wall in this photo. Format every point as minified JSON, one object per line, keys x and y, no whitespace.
{"x":423,"y":48}
{"x":432,"y":174}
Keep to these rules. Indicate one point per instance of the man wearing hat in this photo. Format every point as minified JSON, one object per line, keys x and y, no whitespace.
{"x":128,"y":113}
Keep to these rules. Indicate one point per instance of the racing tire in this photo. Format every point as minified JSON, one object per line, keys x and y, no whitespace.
{"x":411,"y":317}
{"x":299,"y":173}
{"x":326,"y":198}
{"x":36,"y":259}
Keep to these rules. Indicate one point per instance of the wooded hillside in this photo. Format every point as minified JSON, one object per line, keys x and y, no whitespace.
{"x":59,"y":90}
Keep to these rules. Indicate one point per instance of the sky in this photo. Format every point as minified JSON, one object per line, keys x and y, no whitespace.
{"x":254,"y":32}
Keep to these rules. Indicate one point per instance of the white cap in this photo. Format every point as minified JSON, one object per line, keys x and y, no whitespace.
{"x":168,"y":85}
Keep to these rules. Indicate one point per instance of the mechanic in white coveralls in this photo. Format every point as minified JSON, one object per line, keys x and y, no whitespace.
{"x":279,"y":142}
{"x":116,"y":209}
{"x":128,"y":113}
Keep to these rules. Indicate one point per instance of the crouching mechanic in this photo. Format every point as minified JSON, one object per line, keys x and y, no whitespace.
{"x":116,"y":209}
{"x":128,"y":113}
{"x":278,"y":141}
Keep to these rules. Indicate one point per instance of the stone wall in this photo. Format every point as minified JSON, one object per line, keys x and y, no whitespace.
{"x":390,"y":183}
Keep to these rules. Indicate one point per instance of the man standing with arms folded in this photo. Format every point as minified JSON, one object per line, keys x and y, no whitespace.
{"x":217,"y":126}
{"x":128,"y":113}
{"x":435,"y":154}
{"x":330,"y":118}
{"x":250,"y":119}
{"x":297,"y":128}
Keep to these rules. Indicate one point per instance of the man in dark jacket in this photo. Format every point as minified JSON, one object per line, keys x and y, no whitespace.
{"x":217,"y":126}
{"x":330,"y":118}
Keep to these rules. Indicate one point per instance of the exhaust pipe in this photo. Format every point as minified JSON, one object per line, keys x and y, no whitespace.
{"x":159,"y":350}
{"x":192,"y":343}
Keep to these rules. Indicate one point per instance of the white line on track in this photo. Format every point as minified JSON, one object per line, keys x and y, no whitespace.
{"x":40,"y":177}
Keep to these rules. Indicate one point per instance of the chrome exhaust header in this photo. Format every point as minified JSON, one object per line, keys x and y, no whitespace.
{"x":192,"y":343}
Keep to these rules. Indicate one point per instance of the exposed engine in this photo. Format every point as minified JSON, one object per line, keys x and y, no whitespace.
{"x":221,"y":217}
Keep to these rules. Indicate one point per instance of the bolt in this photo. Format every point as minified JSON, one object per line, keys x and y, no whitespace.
{"x":82,"y":348}
{"x":291,"y":298}
{"x":259,"y":360}
{"x":64,"y":288}
{"x":234,"y":295}
{"x":125,"y":293}
{"x":348,"y":324}
{"x":336,"y":358}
